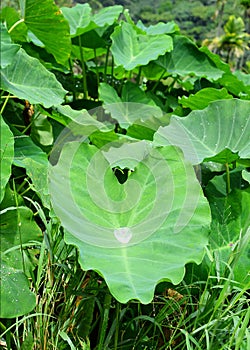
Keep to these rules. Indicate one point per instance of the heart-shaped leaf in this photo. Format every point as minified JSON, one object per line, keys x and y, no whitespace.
{"x":6,"y":155}
{"x":131,"y":49}
{"x":205,"y":133}
{"x":28,"y":79}
{"x":131,"y":233}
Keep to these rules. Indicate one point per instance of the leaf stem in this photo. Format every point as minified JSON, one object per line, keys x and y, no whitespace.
{"x":112,"y":71}
{"x":72,"y":74}
{"x":158,"y":81}
{"x":97,"y":70}
{"x":138,"y":76}
{"x":8,"y":335}
{"x":5,"y":103}
{"x":15,"y":25}
{"x":227,"y":178}
{"x":106,"y":64}
{"x":84,"y":78}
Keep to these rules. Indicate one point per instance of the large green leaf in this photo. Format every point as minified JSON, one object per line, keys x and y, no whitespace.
{"x":8,"y":49}
{"x":185,"y":59}
{"x":91,"y":40}
{"x":132,"y":106}
{"x":79,"y":19}
{"x":107,"y":15}
{"x":245,"y":78}
{"x":28,"y":79}
{"x":203,"y":97}
{"x":205,"y":133}
{"x":131,"y":49}
{"x":81,"y":122}
{"x":15,"y":296}
{"x":134,"y":234}
{"x":232,"y":82}
{"x":6,"y":155}
{"x":234,"y":85}
{"x":43,"y":17}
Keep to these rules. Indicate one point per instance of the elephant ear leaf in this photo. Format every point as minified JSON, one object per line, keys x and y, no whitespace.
{"x":43,"y":17}
{"x":131,"y":49}
{"x":42,"y":87}
{"x":140,"y":225}
{"x":224,"y":124}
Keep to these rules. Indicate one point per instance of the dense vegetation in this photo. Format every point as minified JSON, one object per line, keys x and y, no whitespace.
{"x":125,"y":187}
{"x":197,"y":18}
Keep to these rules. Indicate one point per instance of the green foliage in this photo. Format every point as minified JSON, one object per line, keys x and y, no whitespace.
{"x":7,"y":155}
{"x":206,"y":141}
{"x":131,"y":50}
{"x":125,"y":183}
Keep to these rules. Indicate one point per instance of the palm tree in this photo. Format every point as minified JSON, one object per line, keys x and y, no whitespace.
{"x":233,"y":43}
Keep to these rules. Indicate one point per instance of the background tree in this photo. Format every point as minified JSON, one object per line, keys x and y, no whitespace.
{"x":233,"y":43}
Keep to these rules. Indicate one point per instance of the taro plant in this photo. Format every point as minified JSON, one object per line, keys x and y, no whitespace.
{"x":124,"y":149}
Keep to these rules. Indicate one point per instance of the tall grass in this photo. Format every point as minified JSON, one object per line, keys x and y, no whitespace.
{"x":76,"y":311}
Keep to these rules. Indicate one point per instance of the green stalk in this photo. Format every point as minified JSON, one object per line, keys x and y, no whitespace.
{"x":4,"y":104}
{"x":227,"y":178}
{"x":84,"y":77}
{"x":158,"y":81}
{"x":104,"y":326}
{"x":8,"y":335}
{"x":97,"y":71}
{"x":112,"y":71}
{"x":138,"y":76}
{"x":106,"y":64}
{"x":15,"y":24}
{"x":71,"y":70}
